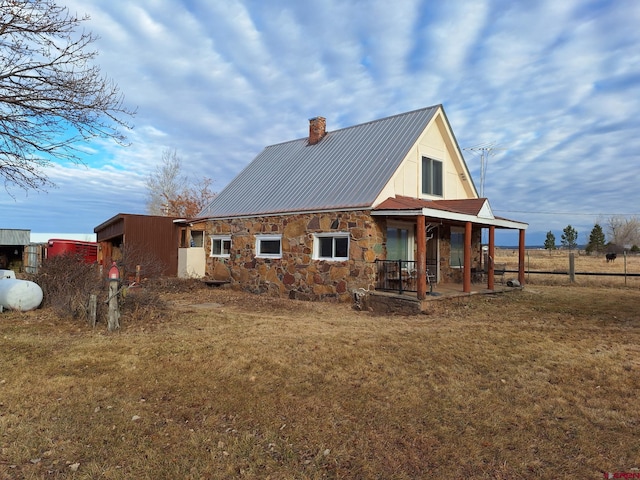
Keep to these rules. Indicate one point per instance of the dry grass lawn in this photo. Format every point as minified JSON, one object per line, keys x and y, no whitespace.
{"x":538,"y":383}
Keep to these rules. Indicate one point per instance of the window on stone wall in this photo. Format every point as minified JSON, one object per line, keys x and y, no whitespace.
{"x":220,"y":246}
{"x":331,"y":246}
{"x":269,"y":246}
{"x":457,"y":247}
{"x":400,"y":241}
{"x":197,"y":238}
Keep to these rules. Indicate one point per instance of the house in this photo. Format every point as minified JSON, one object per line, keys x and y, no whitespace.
{"x":385,"y":205}
{"x":152,"y":244}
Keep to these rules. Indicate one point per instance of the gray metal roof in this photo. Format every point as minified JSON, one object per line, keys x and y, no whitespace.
{"x":348,"y":168}
{"x":11,"y":236}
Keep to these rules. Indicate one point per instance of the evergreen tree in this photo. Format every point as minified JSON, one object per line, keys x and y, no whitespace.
{"x":569,"y":238}
{"x":596,"y":240}
{"x":550,"y":241}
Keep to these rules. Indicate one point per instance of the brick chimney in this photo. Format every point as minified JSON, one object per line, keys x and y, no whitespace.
{"x":317,"y":129}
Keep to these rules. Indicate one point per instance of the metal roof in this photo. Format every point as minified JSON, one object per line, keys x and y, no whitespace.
{"x":475,"y":210}
{"x":12,"y":236}
{"x":348,"y":168}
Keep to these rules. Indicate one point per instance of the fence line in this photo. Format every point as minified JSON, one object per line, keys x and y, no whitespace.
{"x":604,"y":274}
{"x":571,"y":272}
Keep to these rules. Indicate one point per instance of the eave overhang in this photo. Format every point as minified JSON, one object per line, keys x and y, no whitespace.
{"x":476,"y":211}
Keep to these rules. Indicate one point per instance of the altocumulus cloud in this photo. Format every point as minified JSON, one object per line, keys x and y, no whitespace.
{"x":553,"y":85}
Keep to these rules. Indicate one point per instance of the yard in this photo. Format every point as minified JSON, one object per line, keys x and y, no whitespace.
{"x":215,"y":384}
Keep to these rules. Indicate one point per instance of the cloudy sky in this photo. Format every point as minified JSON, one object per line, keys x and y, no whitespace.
{"x":553,"y":86}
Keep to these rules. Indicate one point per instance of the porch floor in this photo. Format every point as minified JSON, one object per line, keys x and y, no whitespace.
{"x":408,"y":301}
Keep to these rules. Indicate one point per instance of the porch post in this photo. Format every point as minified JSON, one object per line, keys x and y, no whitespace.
{"x":421,"y":260}
{"x":490,"y":255}
{"x":466,"y":276}
{"x":521,"y":258}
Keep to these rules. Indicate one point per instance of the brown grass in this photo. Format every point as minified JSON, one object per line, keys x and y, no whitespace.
{"x":539,"y":383}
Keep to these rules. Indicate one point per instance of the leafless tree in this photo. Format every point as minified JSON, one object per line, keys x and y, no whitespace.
{"x":623,"y":231}
{"x":52,"y":96}
{"x":164,"y":184}
{"x":171,"y":193}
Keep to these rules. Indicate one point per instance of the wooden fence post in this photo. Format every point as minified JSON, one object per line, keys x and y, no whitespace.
{"x":572,"y":267}
{"x":93,"y":306}
{"x":114,"y":309}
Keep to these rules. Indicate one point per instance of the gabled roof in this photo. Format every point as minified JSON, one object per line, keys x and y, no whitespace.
{"x":347,"y":169}
{"x":475,"y":210}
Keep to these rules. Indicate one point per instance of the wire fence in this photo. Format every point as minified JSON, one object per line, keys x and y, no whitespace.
{"x":574,"y":267}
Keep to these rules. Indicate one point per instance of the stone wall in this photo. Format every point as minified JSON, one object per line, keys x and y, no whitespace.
{"x":453,"y":274}
{"x":297,"y":274}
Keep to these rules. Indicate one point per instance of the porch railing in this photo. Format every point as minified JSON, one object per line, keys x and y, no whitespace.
{"x":397,"y":275}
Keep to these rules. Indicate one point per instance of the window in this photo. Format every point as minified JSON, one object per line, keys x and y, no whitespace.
{"x":431,"y":177}
{"x":457,"y":247}
{"x":400,"y":242}
{"x":197,"y":238}
{"x":331,"y":246}
{"x":269,"y":246}
{"x":220,"y":246}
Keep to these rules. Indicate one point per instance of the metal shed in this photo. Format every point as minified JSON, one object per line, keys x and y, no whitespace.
{"x":147,"y":240}
{"x":12,"y":247}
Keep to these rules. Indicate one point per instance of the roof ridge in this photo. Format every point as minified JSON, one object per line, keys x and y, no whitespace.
{"x":439,"y":105}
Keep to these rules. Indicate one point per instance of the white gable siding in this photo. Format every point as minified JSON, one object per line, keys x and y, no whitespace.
{"x":437,"y":143}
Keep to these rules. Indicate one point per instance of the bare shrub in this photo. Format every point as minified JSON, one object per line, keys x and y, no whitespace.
{"x":175,"y":285}
{"x":67,"y":283}
{"x":142,"y":304}
{"x":137,"y":256}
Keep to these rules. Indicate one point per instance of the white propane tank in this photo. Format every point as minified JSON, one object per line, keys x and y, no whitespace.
{"x":19,"y":294}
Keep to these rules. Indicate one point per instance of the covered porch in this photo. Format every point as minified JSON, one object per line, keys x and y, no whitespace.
{"x":447,"y":248}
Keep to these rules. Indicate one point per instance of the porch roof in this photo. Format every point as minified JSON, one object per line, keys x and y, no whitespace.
{"x":474,"y":210}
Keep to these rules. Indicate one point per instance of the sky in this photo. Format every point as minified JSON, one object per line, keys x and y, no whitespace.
{"x":552,"y":87}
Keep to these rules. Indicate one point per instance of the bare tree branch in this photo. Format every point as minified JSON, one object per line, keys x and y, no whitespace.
{"x":171,"y":193}
{"x":52,"y":96}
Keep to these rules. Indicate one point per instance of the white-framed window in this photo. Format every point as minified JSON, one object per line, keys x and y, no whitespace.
{"x":432,"y":179}
{"x":331,"y":246}
{"x":457,"y":247}
{"x":269,"y":246}
{"x":400,"y":241}
{"x":220,"y":245}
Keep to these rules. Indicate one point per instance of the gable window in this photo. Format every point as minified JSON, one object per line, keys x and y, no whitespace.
{"x":431,"y":177}
{"x":457,"y":247}
{"x":220,"y":246}
{"x":331,"y":246}
{"x":269,"y":246}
